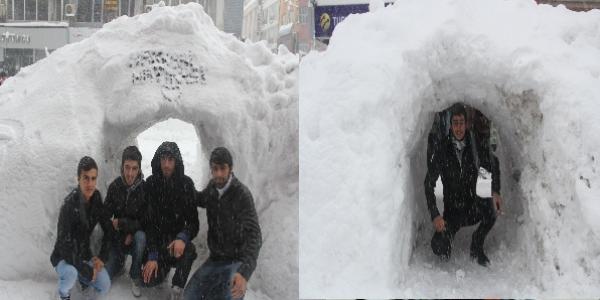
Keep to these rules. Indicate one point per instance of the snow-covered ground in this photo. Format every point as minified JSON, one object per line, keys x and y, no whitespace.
{"x":366,"y":106}
{"x":96,"y":96}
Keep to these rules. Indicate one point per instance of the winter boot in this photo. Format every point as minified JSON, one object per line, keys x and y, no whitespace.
{"x":477,"y":249}
{"x":479,"y":255}
{"x":441,"y":245}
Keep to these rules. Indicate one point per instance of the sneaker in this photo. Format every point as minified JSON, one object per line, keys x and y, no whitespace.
{"x":481,"y":258}
{"x":176,"y":293}
{"x":64,"y":298}
{"x":136,"y":290}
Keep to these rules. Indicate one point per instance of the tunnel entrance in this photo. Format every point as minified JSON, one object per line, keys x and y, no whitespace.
{"x":506,"y":236}
{"x":182,"y":133}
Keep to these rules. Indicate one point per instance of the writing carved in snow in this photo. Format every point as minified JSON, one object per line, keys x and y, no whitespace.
{"x":171,"y":71}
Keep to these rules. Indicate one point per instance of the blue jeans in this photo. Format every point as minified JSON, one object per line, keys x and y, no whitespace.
{"x":118,"y":252}
{"x":68,"y":275}
{"x":212,"y":281}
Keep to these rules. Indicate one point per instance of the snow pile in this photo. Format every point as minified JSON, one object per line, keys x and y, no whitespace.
{"x":367,"y":104}
{"x":94,"y":97}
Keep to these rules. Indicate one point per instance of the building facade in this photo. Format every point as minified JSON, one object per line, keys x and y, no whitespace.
{"x":261,"y":21}
{"x":31,"y":29}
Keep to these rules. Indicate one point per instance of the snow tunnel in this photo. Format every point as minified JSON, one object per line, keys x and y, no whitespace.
{"x":516,"y":117}
{"x":367,"y":106}
{"x":485,"y":136}
{"x":95,"y":97}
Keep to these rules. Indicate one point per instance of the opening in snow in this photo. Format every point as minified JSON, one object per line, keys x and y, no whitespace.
{"x":182,"y":133}
{"x":505,"y":137}
{"x":484,"y":131}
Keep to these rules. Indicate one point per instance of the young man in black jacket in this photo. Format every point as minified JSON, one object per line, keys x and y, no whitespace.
{"x":234,"y":237}
{"x":72,"y":258}
{"x":172,"y":220}
{"x":127,"y":206}
{"x":457,"y":160}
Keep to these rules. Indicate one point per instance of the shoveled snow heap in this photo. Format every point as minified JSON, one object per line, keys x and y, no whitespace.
{"x":367,"y":104}
{"x":94,"y":97}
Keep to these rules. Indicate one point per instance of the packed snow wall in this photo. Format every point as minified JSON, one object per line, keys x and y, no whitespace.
{"x":94,"y":98}
{"x":368,"y":102}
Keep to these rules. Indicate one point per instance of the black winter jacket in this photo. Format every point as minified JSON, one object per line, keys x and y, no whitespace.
{"x":76,"y":222}
{"x":172,"y":211}
{"x":459,"y":180}
{"x":233,"y":229}
{"x":127,"y":204}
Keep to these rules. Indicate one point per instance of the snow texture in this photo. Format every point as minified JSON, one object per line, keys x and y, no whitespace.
{"x":366,"y":107}
{"x":96,"y":96}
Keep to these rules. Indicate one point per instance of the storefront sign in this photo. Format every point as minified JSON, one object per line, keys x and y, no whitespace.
{"x":17,"y":37}
{"x":327,"y":17}
{"x":13,"y":38}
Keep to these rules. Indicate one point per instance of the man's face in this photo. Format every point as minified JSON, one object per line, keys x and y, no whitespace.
{"x":87,"y":183}
{"x":220,"y":174}
{"x":458,"y":127}
{"x":167,"y":165}
{"x":131,"y":170}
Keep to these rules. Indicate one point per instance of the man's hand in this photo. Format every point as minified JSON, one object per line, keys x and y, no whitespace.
{"x":238,"y":286}
{"x":150,"y":269}
{"x":98,"y":265}
{"x":439,"y":224}
{"x":176,"y":248}
{"x":497,"y":203}
{"x":115,"y":224}
{"x":128,"y":240}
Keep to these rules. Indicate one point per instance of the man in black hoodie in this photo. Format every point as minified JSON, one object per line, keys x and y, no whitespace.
{"x":234,"y":237}
{"x":457,"y":160}
{"x":172,"y":220}
{"x":82,"y":210}
{"x":127,"y":206}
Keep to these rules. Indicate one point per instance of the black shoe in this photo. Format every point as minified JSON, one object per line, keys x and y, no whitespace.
{"x":481,"y":258}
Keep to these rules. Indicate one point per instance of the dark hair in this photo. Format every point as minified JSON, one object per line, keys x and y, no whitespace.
{"x":86,"y":163}
{"x":458,"y":109}
{"x":131,"y":153}
{"x":220,"y":156}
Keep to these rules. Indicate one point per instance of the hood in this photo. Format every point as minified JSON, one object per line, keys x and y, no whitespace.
{"x":171,"y":148}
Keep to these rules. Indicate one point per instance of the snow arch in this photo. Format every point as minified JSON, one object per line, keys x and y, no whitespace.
{"x":94,"y":97}
{"x":362,"y":151}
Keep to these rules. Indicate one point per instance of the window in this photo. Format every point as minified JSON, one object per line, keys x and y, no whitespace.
{"x":42,"y":10}
{"x":30,"y":8}
{"x":18,"y":9}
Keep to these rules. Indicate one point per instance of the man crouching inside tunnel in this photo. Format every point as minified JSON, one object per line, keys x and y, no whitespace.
{"x":456,"y":157}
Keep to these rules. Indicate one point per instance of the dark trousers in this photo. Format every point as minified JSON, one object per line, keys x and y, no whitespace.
{"x":182,"y":266}
{"x":482,"y":211}
{"x":117,"y":255}
{"x":212,"y":281}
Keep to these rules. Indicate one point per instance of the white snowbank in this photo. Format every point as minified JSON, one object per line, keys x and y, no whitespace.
{"x":94,"y":97}
{"x":367,"y":104}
